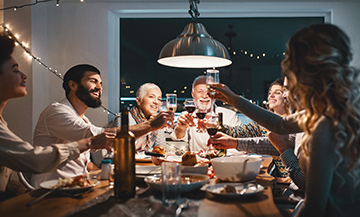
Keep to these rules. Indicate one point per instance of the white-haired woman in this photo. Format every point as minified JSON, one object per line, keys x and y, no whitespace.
{"x":148,"y":99}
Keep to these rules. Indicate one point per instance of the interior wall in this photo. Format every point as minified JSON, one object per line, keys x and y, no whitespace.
{"x":76,"y":32}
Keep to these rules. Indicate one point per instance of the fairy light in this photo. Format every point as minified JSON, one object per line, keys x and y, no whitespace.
{"x":38,"y":59}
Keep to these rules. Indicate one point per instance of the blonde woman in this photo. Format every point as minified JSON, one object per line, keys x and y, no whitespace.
{"x":322,"y":83}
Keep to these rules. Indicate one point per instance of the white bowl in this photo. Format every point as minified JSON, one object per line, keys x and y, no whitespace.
{"x":155,"y":182}
{"x":191,"y":169}
{"x":236,"y":168}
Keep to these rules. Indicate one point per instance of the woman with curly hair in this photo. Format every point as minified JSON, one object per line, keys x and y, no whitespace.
{"x":322,"y":83}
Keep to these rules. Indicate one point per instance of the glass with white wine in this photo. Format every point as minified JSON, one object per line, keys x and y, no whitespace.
{"x":212,"y":77}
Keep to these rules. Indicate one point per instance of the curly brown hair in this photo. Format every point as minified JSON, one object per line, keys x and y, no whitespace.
{"x":322,"y":82}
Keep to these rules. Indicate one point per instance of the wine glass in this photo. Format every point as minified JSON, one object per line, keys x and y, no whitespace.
{"x":171,"y":105}
{"x":171,"y":102}
{"x":212,"y":126}
{"x":201,"y":110}
{"x":190,"y":105}
{"x":212,"y":77}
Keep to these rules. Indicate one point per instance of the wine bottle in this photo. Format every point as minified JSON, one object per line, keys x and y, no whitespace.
{"x":221,"y":129}
{"x":124,"y":183}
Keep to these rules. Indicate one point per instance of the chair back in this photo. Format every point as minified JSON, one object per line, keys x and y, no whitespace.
{"x":25,"y":180}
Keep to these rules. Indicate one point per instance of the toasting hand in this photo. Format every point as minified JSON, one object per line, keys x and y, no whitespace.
{"x":222,"y":141}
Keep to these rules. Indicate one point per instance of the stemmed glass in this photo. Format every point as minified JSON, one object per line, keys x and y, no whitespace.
{"x":169,"y":104}
{"x":190,"y":105}
{"x":212,"y":77}
{"x":201,"y":111}
{"x":212,"y":126}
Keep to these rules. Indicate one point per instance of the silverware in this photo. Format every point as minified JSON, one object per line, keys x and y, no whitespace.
{"x":154,"y":154}
{"x":181,"y":207}
{"x":243,"y":191}
{"x":42,"y":196}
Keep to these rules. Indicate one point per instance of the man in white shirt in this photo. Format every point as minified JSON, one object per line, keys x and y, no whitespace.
{"x":65,"y":121}
{"x":186,"y":130}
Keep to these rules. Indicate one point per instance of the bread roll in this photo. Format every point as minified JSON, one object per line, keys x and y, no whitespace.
{"x":189,"y":159}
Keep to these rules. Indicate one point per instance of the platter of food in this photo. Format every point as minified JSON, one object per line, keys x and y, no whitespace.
{"x":70,"y":185}
{"x":234,"y":190}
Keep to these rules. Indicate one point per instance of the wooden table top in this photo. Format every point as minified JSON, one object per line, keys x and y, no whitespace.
{"x":261,"y":205}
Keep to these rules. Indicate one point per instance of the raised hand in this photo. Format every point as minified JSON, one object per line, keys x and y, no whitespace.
{"x":162,"y":119}
{"x":104,"y":140}
{"x":280,"y":142}
{"x":222,"y":141}
{"x":223,"y":93}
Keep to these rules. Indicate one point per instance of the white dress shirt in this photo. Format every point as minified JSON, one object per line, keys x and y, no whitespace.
{"x":60,"y":123}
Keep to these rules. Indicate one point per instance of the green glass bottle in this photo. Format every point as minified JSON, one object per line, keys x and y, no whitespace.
{"x":124,"y":157}
{"x":222,"y":152}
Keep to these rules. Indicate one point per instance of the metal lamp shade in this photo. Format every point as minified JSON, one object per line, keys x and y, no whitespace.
{"x":194,"y":48}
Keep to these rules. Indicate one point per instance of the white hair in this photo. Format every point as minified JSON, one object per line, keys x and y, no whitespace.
{"x":199,"y":80}
{"x":144,"y":88}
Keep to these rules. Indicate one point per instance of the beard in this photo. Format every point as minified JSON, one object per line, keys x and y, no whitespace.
{"x":84,"y":95}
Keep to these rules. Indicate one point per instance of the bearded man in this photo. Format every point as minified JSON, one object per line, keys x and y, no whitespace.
{"x":65,"y":121}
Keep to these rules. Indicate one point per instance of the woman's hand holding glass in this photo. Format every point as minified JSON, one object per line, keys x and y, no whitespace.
{"x":223,"y":93}
{"x":222,"y":141}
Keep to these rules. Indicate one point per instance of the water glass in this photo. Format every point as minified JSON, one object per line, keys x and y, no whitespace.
{"x":171,"y":183}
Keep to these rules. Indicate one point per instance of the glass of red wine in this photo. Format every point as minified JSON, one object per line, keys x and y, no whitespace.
{"x":201,"y":110}
{"x":190,"y":105}
{"x":212,"y":126}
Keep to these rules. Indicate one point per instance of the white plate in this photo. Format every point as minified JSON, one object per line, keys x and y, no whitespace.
{"x":147,"y":170}
{"x":252,"y":189}
{"x":48,"y":185}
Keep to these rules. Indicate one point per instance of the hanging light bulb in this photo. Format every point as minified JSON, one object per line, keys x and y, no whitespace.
{"x":194,"y":47}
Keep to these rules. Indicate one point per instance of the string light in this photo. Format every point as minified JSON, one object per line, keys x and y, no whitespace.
{"x":25,"y":5}
{"x":38,"y":59}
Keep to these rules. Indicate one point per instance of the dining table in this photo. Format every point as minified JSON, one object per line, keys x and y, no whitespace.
{"x":99,"y":201}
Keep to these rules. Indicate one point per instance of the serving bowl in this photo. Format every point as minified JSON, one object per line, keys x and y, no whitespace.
{"x":236,"y":168}
{"x":189,"y":181}
{"x":202,"y":169}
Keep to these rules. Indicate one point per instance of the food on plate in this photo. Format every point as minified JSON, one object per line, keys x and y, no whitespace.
{"x":189,"y":159}
{"x":160,"y":150}
{"x":210,"y":153}
{"x":228,"y":189}
{"x":73,"y":182}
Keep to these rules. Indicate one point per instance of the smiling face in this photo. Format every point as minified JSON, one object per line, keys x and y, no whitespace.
{"x":276,"y":99}
{"x":12,"y":80}
{"x":150,"y":102}
{"x":89,"y":90}
{"x":201,"y":96}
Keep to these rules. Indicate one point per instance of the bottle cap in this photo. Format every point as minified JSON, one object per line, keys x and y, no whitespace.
{"x":106,"y":161}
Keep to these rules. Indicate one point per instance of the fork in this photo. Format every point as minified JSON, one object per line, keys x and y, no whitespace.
{"x":181,"y":207}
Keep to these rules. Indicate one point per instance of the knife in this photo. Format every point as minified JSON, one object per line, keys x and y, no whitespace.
{"x":42,"y":196}
{"x":154,"y":154}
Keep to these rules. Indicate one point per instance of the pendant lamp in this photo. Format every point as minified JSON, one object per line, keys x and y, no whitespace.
{"x":194,"y":47}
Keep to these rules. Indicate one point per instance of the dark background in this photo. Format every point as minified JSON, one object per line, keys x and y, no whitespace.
{"x":142,"y":39}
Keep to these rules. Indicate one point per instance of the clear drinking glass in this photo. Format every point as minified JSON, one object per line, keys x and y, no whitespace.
{"x":212,"y":77}
{"x":105,"y":153}
{"x":171,"y":183}
{"x":171,"y":102}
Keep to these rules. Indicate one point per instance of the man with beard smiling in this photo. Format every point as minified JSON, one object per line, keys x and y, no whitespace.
{"x":186,"y":130}
{"x":66,"y":121}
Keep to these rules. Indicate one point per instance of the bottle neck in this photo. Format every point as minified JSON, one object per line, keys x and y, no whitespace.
{"x":124,"y":120}
{"x":221,"y":119}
